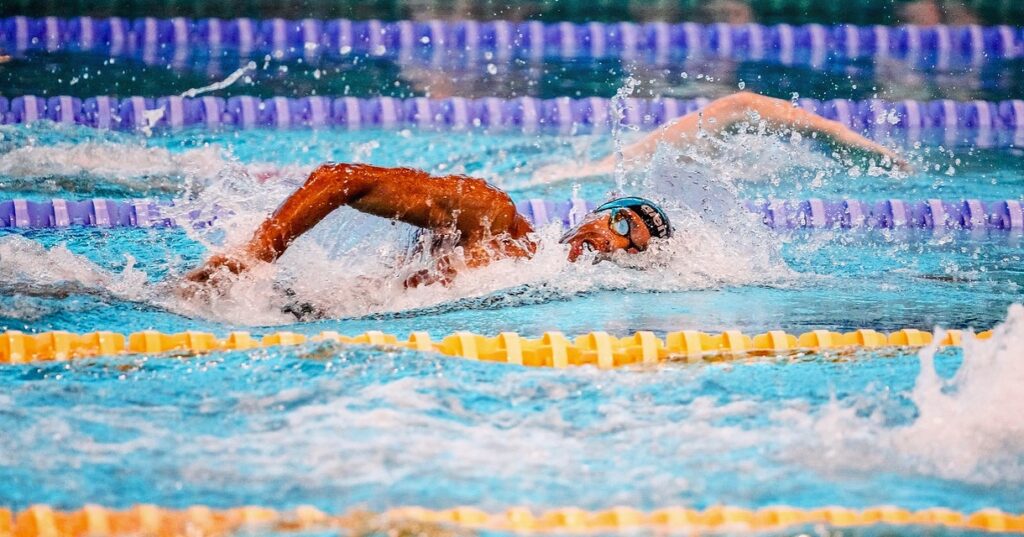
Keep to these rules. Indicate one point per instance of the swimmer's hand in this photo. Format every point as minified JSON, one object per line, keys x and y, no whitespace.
{"x":894,"y":161}
{"x":214,"y":273}
{"x":220,"y":265}
{"x":443,"y":273}
{"x":423,"y":278}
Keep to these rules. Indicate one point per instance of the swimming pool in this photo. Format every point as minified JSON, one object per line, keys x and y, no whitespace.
{"x":345,"y":427}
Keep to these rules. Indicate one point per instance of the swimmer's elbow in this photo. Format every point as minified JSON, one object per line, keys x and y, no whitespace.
{"x":482,"y":208}
{"x":725,"y":112}
{"x":335,"y":172}
{"x":741,"y":99}
{"x":344,"y":182}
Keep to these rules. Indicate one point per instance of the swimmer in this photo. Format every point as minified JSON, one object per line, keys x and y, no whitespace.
{"x":482,"y":220}
{"x":730,"y":114}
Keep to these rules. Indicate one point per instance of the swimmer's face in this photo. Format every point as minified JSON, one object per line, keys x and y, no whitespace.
{"x":607,"y":232}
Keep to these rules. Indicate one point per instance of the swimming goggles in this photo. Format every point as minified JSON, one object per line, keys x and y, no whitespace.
{"x":622,"y":225}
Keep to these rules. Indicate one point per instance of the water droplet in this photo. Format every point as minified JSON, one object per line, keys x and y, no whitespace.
{"x":742,"y":85}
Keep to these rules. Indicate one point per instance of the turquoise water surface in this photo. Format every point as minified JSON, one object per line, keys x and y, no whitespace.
{"x":344,"y":427}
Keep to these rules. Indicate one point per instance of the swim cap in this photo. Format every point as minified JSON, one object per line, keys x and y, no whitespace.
{"x":653,"y":217}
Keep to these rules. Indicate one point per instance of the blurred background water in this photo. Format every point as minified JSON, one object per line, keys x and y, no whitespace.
{"x":732,"y":11}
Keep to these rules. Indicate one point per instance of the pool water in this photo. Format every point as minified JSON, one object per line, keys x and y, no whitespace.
{"x":356,"y":427}
{"x":347,"y":427}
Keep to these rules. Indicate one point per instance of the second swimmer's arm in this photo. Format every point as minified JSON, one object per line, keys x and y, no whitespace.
{"x":727,"y":112}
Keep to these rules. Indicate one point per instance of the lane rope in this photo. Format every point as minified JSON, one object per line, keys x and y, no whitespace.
{"x":813,"y":213}
{"x":552,"y":349}
{"x":973,"y":120}
{"x":98,"y":521}
{"x":506,"y":40}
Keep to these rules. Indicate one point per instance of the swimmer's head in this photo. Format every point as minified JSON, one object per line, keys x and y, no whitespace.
{"x":627,"y":224}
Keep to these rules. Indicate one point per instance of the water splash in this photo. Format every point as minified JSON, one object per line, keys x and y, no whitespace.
{"x":966,"y":428}
{"x":152,"y":116}
{"x":349,"y":268}
{"x":347,"y":265}
{"x":354,"y":265}
{"x":27,"y":268}
{"x":83,"y":167}
{"x":227,"y":82}
{"x":969,"y":427}
{"x":363,"y":277}
{"x":618,"y":108}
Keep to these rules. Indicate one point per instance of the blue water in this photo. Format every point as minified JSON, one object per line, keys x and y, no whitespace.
{"x":341,"y":428}
{"x":344,"y":427}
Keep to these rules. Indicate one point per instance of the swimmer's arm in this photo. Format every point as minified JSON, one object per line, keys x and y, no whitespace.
{"x":468,"y":205}
{"x":727,"y":113}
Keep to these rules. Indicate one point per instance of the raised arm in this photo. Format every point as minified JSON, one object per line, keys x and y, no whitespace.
{"x":726,"y":113}
{"x":456,"y":203}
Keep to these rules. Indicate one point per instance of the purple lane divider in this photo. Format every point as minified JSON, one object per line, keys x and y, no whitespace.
{"x":890,"y":214}
{"x":98,"y":212}
{"x":813,"y":43}
{"x":525,"y":114}
{"x":777,"y":214}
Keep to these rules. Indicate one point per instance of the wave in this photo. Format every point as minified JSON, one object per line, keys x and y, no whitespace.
{"x":55,"y":159}
{"x":965,"y":428}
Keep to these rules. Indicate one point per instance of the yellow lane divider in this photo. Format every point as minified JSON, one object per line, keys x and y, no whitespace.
{"x":201,"y":521}
{"x":552,"y":349}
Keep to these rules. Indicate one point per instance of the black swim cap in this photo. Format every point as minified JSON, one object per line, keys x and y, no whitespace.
{"x":653,"y":217}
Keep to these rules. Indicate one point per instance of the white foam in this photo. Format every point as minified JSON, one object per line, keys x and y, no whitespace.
{"x":30,"y":269}
{"x":109,"y":160}
{"x":137,"y":166}
{"x":968,"y":428}
{"x":362,"y":277}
